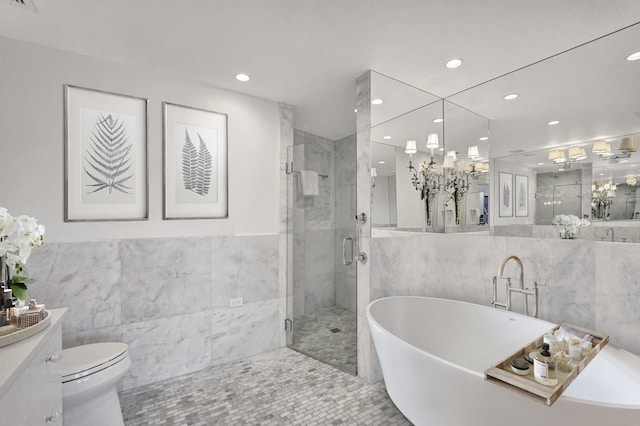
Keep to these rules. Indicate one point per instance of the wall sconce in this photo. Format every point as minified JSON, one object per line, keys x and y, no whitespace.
{"x":432,"y":141}
{"x":426,"y":180}
{"x":631,"y":180}
{"x":429,"y":182}
{"x":473,"y":152}
{"x":456,"y":181}
{"x":557,"y":156}
{"x":627,"y":145}
{"x":448,"y":162}
{"x":601,"y":198}
{"x":601,"y":148}
{"x":477,"y":168}
{"x":411,"y":147}
{"x":577,"y":153}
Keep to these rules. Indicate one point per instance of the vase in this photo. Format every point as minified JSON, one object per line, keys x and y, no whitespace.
{"x":565,"y":234}
{"x":4,"y":272}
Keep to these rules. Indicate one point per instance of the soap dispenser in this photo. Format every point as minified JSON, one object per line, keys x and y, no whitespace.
{"x":544,"y":367}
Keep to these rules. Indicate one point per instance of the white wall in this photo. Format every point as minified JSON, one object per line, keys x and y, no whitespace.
{"x":32,"y":144}
{"x":380,"y":214}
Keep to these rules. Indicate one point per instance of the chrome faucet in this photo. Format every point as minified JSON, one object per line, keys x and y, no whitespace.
{"x":610,"y":229}
{"x":520,"y":289}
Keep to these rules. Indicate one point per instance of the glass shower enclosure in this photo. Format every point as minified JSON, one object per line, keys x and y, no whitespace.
{"x":321,"y":288}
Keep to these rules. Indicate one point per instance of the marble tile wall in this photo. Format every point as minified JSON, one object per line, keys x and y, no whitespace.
{"x":591,"y":284}
{"x":368,"y":366}
{"x":314,"y":227}
{"x":167,"y":298}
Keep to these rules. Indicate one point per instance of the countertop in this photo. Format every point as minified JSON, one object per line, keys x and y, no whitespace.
{"x":15,"y":357}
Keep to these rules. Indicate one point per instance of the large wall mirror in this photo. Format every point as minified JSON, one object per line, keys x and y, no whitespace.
{"x":430,"y":161}
{"x":571,"y":135}
{"x":565,"y":144}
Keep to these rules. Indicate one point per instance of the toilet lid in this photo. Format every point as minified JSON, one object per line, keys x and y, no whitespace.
{"x":83,"y":360}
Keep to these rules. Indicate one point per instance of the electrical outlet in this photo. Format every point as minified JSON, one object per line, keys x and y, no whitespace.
{"x":234,"y":303}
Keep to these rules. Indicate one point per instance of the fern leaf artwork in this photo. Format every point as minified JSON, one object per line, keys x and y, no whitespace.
{"x":204,"y":169}
{"x":522,"y":196}
{"x":189,"y":163}
{"x":506,"y":194}
{"x":197,"y":166}
{"x":109,"y":156}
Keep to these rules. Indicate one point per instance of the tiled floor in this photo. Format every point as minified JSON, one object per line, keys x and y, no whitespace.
{"x":328,"y":335}
{"x":278,"y":388}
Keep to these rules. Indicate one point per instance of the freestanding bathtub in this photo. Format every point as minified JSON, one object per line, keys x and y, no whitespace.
{"x":433,"y":353}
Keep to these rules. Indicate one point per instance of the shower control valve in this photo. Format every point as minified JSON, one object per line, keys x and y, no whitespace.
{"x":361,"y":218}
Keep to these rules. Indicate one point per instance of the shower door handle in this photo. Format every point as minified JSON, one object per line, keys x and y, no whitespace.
{"x":360,"y":219}
{"x":345,"y":260}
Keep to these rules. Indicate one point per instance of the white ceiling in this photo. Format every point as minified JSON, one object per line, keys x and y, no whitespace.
{"x":308,"y":53}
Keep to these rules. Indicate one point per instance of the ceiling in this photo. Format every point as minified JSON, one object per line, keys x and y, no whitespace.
{"x":308,"y":53}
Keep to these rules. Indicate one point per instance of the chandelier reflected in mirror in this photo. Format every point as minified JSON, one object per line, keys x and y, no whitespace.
{"x":453,"y":179}
{"x":427,"y":179}
{"x":602,"y":196}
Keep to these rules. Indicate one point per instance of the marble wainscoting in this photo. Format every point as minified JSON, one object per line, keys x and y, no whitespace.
{"x":592,"y":284}
{"x":167,"y":298}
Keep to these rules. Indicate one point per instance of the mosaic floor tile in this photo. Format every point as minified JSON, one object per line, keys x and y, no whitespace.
{"x":328,"y":335}
{"x":282,"y":387}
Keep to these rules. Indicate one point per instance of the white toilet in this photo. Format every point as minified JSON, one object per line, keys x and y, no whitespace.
{"x":90,"y":374}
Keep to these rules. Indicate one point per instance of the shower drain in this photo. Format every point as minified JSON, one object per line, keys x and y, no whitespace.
{"x":335,"y":330}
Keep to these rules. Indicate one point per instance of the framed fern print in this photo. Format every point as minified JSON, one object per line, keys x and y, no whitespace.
{"x":505,"y":191}
{"x":106,"y":173}
{"x":195,"y":163}
{"x":521,"y":194}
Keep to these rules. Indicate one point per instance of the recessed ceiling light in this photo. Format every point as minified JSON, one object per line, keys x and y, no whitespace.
{"x":441,"y":149}
{"x":633,"y":56}
{"x":454,"y":63}
{"x":380,"y":162}
{"x":386,"y":137}
{"x":377,"y":101}
{"x":553,"y":122}
{"x":540,"y":164}
{"x":601,"y":174}
{"x":511,"y":96}
{"x":484,"y":138}
{"x":355,"y":110}
{"x":438,"y":120}
{"x":242,"y":77}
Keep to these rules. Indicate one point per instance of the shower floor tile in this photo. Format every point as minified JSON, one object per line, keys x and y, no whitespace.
{"x":328,"y":335}
{"x":282,"y":387}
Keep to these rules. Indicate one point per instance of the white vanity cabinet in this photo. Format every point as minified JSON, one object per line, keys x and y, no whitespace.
{"x":30,"y":380}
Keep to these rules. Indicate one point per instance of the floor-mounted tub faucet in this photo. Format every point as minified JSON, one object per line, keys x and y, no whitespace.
{"x":520,"y":289}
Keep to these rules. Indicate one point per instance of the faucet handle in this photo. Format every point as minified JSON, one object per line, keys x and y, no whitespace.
{"x":539,"y":283}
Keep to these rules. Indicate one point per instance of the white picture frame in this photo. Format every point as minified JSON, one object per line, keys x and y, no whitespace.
{"x":106,"y":170}
{"x":195,"y":163}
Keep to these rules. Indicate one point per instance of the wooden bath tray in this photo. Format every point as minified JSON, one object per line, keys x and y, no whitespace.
{"x":502,"y":375}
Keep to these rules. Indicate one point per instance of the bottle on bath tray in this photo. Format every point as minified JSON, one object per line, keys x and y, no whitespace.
{"x":544,"y":367}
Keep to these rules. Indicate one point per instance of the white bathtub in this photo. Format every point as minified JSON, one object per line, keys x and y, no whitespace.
{"x":433,"y":354}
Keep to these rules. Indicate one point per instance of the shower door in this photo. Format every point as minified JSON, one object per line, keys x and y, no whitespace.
{"x":321,"y":288}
